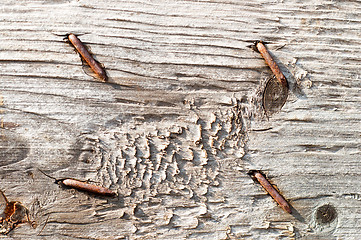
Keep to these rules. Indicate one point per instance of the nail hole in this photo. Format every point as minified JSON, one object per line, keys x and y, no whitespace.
{"x":326,"y":214}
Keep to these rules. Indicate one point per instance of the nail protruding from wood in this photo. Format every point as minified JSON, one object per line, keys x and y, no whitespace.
{"x":82,"y":186}
{"x":83,"y":51}
{"x":271,"y":190}
{"x":276,"y":90}
{"x":271,"y":63}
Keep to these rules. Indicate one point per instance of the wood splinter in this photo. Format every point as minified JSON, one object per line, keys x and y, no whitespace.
{"x":83,"y":51}
{"x":271,"y":190}
{"x":82,"y":186}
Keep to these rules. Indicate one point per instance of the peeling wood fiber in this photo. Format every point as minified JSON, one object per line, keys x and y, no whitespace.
{"x":180,"y":121}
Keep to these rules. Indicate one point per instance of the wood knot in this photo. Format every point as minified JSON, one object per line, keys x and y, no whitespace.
{"x":326,"y":214}
{"x":274,"y":96}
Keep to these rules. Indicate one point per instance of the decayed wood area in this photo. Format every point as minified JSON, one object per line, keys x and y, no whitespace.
{"x":180,"y":122}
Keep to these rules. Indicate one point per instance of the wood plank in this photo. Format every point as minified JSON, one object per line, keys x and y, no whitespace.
{"x":180,"y":122}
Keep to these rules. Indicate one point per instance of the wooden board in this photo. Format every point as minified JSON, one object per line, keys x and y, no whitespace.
{"x":180,"y":122}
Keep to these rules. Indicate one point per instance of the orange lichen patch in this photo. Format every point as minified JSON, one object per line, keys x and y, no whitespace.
{"x":14,"y":213}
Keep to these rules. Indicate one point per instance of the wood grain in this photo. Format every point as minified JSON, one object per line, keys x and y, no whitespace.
{"x":180,"y":122}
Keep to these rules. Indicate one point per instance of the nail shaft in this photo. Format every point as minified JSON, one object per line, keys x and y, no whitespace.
{"x":94,"y":65}
{"x":272,"y":191}
{"x":80,"y":185}
{"x":271,"y":63}
{"x":83,"y":186}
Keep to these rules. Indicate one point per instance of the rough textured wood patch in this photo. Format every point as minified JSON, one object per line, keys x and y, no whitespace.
{"x":181,"y":121}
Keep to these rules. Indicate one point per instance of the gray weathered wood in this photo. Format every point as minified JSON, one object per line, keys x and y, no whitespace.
{"x":180,"y":122}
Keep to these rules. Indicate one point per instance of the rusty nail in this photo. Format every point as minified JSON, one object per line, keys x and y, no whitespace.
{"x":82,"y":186}
{"x":94,"y":65}
{"x":271,"y":190}
{"x":271,"y":63}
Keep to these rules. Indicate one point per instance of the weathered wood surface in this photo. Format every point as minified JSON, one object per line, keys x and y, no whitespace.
{"x":181,"y":122}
